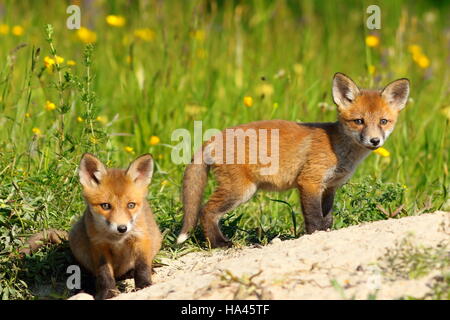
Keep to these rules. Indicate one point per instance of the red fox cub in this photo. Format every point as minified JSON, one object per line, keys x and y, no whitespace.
{"x":117,"y":232}
{"x":315,"y":158}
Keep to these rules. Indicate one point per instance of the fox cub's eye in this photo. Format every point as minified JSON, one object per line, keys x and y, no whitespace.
{"x":359,"y":121}
{"x":383,"y":121}
{"x":105,"y":206}
{"x":131,"y":205}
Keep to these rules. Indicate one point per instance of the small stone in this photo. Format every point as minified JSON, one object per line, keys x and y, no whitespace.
{"x":275,"y":241}
{"x":81,"y":296}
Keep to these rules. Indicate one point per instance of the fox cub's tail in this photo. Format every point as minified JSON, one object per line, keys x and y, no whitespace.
{"x":194,"y":182}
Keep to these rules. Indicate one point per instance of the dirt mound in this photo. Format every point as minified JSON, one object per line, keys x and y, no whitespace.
{"x":339,"y":264}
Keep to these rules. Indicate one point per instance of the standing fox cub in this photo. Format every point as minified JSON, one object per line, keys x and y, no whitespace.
{"x":117,"y":232}
{"x":315,"y":158}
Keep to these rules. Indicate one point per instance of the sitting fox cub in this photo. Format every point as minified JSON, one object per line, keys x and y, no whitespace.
{"x":315,"y":158}
{"x":117,"y":232}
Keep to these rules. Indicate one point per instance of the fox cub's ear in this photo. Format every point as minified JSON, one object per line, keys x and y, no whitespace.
{"x":141,"y":170}
{"x":396,"y":93}
{"x":91,"y":170}
{"x":344,"y":90}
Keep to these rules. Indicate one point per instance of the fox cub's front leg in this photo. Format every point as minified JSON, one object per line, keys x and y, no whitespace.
{"x":143,"y":264}
{"x":142,"y":273}
{"x":105,"y":282}
{"x":311,"y":201}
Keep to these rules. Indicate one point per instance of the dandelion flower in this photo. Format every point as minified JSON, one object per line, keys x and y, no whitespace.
{"x":49,"y":62}
{"x":423,"y":61}
{"x":17,"y":31}
{"x":145,"y":34}
{"x":115,"y":21}
{"x":49,"y":106}
{"x":154,"y":140}
{"x":372,"y":41}
{"x":415,"y":49}
{"x":4,"y":29}
{"x":36,"y":131}
{"x":128,"y":149}
{"x":86,"y":35}
{"x":71,"y":63}
{"x":382,"y":152}
{"x":80,"y":119}
{"x":248,"y":101}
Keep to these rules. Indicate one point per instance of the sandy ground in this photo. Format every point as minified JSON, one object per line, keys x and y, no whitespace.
{"x":304,"y":268}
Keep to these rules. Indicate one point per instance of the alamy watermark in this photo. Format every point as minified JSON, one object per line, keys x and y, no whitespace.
{"x":252,"y":146}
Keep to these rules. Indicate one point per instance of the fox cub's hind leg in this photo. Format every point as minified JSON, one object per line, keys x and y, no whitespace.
{"x":224,"y":199}
{"x":327,"y":206}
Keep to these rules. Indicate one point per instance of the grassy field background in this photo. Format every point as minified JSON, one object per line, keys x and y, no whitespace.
{"x":138,"y":70}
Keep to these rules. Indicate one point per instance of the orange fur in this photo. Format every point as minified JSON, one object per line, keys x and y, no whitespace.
{"x":315,"y":158}
{"x":95,"y":240}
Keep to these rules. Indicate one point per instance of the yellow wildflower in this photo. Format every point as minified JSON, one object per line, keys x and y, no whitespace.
{"x":93,"y":140}
{"x":145,"y":34}
{"x":164,"y":182}
{"x":160,"y":156}
{"x":71,"y":63}
{"x":115,"y":21}
{"x":27,"y":115}
{"x":86,"y":35}
{"x":372,"y":41}
{"x":102,"y":119}
{"x":49,"y":62}
{"x":423,"y":61}
{"x":154,"y":140}
{"x":17,"y":31}
{"x":128,"y":149}
{"x":4,"y":29}
{"x":198,"y":35}
{"x":371,"y":69}
{"x":382,"y":152}
{"x":50,"y":106}
{"x":80,"y":119}
{"x":36,"y":131}
{"x":415,"y":49}
{"x":248,"y":101}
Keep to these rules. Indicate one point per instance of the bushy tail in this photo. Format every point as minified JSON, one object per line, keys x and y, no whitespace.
{"x":194,"y":182}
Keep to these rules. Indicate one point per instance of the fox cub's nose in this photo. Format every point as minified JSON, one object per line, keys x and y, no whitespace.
{"x":375,"y":141}
{"x":122,"y":228}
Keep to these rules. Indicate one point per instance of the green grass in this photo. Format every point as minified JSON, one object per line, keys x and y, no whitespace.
{"x":204,"y":58}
